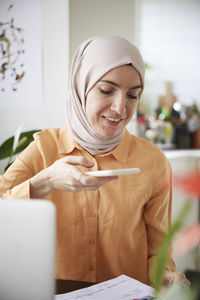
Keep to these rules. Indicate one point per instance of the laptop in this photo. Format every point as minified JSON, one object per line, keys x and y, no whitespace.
{"x":27,"y":249}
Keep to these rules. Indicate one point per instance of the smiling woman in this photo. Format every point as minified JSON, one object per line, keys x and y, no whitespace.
{"x":106,"y":225}
{"x":111,"y":103}
{"x":93,"y":60}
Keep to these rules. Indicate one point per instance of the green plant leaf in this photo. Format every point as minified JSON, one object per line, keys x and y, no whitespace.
{"x":8,"y":165}
{"x":177,"y":292}
{"x":146,"y":65}
{"x":7,"y":146}
{"x":164,"y":250}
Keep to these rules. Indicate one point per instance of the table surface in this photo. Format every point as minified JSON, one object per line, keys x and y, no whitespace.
{"x":65,"y":286}
{"x":179,"y":153}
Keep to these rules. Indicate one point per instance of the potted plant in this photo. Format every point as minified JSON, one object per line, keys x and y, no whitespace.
{"x":15,"y":144}
{"x":182,"y":240}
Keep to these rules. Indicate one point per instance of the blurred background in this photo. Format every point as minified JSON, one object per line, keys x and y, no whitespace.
{"x":167,"y":34}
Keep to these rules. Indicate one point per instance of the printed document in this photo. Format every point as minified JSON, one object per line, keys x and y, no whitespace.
{"x":119,"y":288}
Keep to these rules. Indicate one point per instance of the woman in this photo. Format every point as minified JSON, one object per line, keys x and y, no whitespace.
{"x":111,"y":225}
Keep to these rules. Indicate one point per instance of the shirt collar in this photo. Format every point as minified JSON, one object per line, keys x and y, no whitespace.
{"x":66,"y":143}
{"x":120,"y":152}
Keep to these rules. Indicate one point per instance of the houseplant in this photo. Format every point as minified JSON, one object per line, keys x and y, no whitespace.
{"x":182,"y":240}
{"x":16,"y":144}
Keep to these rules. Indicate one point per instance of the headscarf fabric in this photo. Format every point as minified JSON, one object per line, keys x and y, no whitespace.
{"x":92,"y":60}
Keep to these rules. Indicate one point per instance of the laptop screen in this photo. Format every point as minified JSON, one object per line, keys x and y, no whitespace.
{"x":27,"y":249}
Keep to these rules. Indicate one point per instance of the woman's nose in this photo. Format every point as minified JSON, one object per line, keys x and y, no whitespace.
{"x":119,"y":105}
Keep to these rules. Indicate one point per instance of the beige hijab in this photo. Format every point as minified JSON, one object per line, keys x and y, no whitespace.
{"x":92,"y":60}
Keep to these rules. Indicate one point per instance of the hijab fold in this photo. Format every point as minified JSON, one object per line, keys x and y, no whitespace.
{"x":92,"y":60}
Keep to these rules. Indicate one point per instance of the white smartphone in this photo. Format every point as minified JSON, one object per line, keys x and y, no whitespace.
{"x":115,"y":172}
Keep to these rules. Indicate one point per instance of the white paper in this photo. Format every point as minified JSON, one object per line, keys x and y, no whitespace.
{"x":119,"y":288}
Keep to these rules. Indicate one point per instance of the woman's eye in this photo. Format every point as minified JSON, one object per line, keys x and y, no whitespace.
{"x":105,"y":92}
{"x":131,"y":96}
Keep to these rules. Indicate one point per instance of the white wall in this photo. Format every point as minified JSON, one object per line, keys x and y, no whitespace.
{"x":55,"y":55}
{"x":105,"y":17}
{"x":170,"y":43}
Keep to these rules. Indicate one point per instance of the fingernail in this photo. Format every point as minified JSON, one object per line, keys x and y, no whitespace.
{"x":90,"y":163}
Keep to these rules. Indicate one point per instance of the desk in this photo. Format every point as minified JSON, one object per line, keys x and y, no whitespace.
{"x":65,"y":286}
{"x":187,"y":153}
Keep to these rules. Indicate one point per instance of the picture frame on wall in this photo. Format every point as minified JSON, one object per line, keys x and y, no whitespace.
{"x":20,"y":53}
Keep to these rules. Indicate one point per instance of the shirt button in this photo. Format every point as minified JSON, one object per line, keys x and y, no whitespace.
{"x":91,"y":242}
{"x":91,"y":268}
{"x":92,"y":214}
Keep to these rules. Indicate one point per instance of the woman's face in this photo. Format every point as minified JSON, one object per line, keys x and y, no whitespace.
{"x":111,"y":103}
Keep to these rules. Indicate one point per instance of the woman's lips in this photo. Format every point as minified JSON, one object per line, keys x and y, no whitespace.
{"x":113,"y":121}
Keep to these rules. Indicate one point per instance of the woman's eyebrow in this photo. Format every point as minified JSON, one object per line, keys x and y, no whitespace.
{"x":117,"y":85}
{"x":136,"y":87}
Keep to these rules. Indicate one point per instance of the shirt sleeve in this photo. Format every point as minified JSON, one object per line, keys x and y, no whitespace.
{"x":14,"y":183}
{"x":157,"y":212}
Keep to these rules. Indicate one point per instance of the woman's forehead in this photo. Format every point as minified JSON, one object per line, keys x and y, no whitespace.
{"x":125,"y":73}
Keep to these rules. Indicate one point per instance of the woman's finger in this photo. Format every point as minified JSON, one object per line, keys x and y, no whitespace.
{"x":175,"y":277}
{"x":78,"y":160}
{"x":90,"y":181}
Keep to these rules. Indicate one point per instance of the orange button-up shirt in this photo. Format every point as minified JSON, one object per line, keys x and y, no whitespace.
{"x":113,"y":230}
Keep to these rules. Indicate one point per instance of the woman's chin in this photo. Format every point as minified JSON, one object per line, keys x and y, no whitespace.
{"x":109,"y":133}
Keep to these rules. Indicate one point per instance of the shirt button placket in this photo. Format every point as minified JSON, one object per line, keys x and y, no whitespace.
{"x":91,"y":241}
{"x":92,"y":214}
{"x":92,"y":197}
{"x":92,"y":233}
{"x":91,"y":268}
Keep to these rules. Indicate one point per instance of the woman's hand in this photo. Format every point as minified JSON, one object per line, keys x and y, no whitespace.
{"x":175,"y":277}
{"x":64,"y":175}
